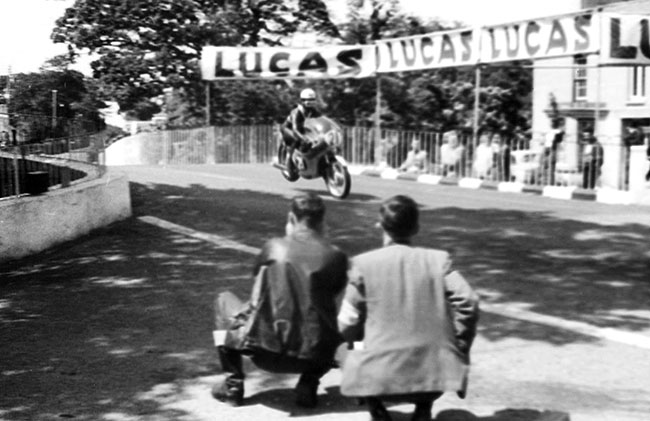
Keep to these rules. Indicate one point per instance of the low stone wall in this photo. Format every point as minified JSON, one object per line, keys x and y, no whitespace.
{"x":30,"y":224}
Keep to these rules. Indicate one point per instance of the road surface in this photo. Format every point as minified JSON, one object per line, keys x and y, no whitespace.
{"x":117,"y":325}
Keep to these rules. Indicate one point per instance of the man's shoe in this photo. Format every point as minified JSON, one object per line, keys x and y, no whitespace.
{"x":422,"y":412}
{"x":230,"y":391}
{"x":378,"y":411}
{"x":307,"y":394}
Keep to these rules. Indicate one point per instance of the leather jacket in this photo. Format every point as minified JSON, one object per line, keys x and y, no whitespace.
{"x":294,"y":125}
{"x":293,"y":307}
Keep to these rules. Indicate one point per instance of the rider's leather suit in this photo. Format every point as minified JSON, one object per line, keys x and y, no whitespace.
{"x":293,"y":127}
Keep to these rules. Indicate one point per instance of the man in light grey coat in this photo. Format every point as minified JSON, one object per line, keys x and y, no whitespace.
{"x":412,"y":319}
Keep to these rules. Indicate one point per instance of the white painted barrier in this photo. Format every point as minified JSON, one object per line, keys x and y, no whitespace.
{"x":31,"y":224}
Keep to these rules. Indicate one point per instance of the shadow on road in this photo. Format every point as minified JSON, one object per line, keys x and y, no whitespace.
{"x":353,"y":197}
{"x":575,"y":270}
{"x":92,"y":328}
{"x":581,"y":271}
{"x":282,"y":399}
{"x":505,"y":415}
{"x":333,"y":402}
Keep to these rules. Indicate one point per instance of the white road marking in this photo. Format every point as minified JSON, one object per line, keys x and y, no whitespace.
{"x":206,"y":174}
{"x":504,"y":310}
{"x":608,"y":333}
{"x":204,"y":236}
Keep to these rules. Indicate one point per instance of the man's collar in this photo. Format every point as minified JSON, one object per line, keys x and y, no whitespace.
{"x":301,"y":231}
{"x":398,"y":241}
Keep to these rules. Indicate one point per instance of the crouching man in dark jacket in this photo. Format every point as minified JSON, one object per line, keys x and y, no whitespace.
{"x":289,"y":324}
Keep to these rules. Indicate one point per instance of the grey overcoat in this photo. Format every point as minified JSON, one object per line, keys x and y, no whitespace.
{"x":416,"y":318}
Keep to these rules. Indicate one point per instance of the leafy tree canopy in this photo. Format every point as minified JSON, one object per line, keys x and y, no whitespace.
{"x":53,"y":104}
{"x":144,"y":46}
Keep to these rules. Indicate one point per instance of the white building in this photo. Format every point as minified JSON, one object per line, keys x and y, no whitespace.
{"x":591,"y":92}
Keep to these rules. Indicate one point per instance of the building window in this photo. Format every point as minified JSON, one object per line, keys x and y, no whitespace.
{"x":580,"y":78}
{"x":637,"y":82}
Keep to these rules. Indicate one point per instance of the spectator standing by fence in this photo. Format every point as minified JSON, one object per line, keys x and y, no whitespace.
{"x":483,"y":157}
{"x":5,"y":139}
{"x":592,"y":159}
{"x":501,"y":158}
{"x":549,"y":158}
{"x":416,"y":159}
{"x":451,"y":152}
{"x":381,"y":152}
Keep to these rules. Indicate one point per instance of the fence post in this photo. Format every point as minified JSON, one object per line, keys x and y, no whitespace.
{"x":252,"y":142}
{"x":380,"y":151}
{"x":164,"y":138}
{"x":210,"y":145}
{"x":16,"y":175}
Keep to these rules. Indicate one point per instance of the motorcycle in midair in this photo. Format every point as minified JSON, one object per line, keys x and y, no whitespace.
{"x":322,"y":160}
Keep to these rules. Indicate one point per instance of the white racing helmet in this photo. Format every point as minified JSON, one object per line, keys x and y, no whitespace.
{"x":308,"y":94}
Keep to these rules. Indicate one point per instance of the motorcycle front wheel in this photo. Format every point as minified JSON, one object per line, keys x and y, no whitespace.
{"x":337,"y":179}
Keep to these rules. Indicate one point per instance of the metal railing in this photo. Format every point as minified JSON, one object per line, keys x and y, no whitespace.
{"x":524,"y":160}
{"x":30,"y":168}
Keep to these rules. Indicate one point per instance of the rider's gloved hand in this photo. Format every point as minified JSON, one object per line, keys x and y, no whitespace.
{"x":304,"y":147}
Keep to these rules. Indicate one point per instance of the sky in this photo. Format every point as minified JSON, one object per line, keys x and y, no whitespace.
{"x":26,"y":25}
{"x":25,"y":28}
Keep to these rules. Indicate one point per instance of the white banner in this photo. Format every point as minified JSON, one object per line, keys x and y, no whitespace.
{"x":434,"y":50}
{"x":626,"y":39}
{"x":540,"y":38}
{"x":278,"y":62}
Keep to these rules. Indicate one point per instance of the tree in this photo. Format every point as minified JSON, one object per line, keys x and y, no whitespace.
{"x":506,"y":97}
{"x":372,"y":20}
{"x":144,"y":46}
{"x":34,"y":104}
{"x":61,"y":63}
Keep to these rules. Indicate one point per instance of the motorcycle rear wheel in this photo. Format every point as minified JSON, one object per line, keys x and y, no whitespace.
{"x":337,"y":180}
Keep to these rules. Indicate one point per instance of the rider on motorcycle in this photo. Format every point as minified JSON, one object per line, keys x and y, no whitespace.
{"x":293,"y":128}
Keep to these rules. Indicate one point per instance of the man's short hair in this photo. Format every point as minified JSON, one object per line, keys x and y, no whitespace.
{"x":308,"y":207}
{"x":399,"y":216}
{"x":449,"y":134}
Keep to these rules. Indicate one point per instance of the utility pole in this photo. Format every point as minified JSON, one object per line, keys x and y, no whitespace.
{"x":207,"y":104}
{"x":477,"y":102}
{"x":378,"y":19}
{"x":54,"y":106}
{"x":8,"y":93}
{"x":8,"y":104}
{"x":378,"y":110}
